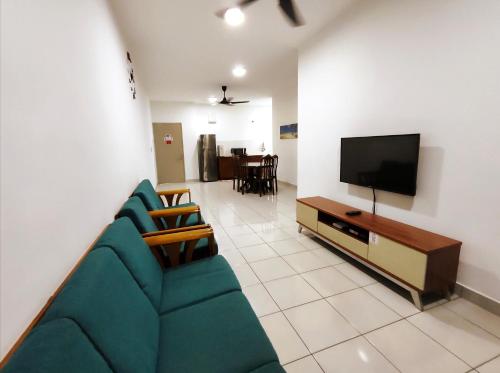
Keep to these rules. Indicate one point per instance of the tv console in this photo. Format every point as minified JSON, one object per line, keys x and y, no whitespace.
{"x":415,"y":259}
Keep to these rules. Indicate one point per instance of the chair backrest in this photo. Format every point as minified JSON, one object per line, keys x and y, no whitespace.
{"x":125,"y":240}
{"x":146,"y":192}
{"x":275,"y":165}
{"x":267,"y":160}
{"x":235,"y":163}
{"x":59,"y":345}
{"x":135,"y":210}
{"x":242,"y":163}
{"x":112,"y":311}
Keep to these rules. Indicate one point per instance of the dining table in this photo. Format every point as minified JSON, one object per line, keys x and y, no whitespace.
{"x":253,"y":169}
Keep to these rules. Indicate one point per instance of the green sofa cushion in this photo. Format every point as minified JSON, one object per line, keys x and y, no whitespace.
{"x":110,"y":308}
{"x":219,"y":335}
{"x":273,"y":367}
{"x":125,"y":240}
{"x":57,"y":346}
{"x":200,"y":267}
{"x":195,"y":289}
{"x":147,"y":194}
{"x":135,"y":210}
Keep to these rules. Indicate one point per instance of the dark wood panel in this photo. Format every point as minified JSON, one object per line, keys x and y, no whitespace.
{"x":225,"y":165}
{"x":416,"y":238}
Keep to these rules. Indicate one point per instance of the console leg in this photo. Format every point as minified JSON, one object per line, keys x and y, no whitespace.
{"x":447,"y":293}
{"x":417,"y":299}
{"x":300,"y":229}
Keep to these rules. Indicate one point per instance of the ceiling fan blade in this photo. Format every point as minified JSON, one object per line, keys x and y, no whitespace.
{"x":240,"y":4}
{"x":288,"y":7}
{"x":239,"y":102}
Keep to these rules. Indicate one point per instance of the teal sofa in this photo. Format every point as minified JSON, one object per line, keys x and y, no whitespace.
{"x":135,"y":210}
{"x":152,"y":201}
{"x":122,"y":312}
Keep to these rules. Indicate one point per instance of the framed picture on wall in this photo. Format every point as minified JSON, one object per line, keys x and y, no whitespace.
{"x":288,"y":131}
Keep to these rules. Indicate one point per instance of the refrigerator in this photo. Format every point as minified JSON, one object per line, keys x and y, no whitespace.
{"x":207,"y":158}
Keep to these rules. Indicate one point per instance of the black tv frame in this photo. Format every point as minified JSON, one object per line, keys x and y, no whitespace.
{"x":414,"y":191}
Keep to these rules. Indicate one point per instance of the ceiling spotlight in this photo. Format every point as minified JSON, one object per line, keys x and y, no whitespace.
{"x":212,"y":100}
{"x":239,"y":71}
{"x":234,"y":17}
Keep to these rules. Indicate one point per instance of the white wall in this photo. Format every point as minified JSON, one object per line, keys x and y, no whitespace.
{"x":73,"y":144}
{"x":234,"y":127}
{"x":285,"y":112}
{"x":389,"y":67}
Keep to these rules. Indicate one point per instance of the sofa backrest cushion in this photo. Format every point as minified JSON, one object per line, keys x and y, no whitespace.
{"x":110,"y":308}
{"x":148,"y":195}
{"x":134,"y":210}
{"x":126,"y":241}
{"x":57,"y":346}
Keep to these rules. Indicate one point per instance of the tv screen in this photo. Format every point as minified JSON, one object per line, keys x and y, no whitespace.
{"x":381,"y":162}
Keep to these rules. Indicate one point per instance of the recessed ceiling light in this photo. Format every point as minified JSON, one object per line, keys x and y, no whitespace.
{"x":239,"y":71}
{"x":234,"y":16}
{"x":212,"y":100}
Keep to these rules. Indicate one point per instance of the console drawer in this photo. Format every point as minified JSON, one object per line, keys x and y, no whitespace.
{"x":307,"y":216}
{"x":402,"y":261}
{"x":343,"y":240}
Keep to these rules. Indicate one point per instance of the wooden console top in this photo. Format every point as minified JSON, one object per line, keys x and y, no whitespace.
{"x":416,"y":238}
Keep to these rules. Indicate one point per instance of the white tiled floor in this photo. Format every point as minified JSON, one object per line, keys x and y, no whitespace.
{"x":323,"y":314}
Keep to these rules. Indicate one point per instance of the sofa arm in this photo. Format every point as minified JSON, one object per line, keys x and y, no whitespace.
{"x":176,"y":230}
{"x":173,"y":242}
{"x":171,"y":215}
{"x":170,"y":194}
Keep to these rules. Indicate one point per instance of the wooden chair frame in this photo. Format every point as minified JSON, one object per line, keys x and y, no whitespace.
{"x":172,"y":244}
{"x":171,"y":215}
{"x":168,"y":196}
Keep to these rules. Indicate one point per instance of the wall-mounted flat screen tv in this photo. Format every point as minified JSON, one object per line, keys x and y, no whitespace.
{"x":381,"y":162}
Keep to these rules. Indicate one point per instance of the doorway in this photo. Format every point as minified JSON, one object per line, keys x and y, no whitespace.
{"x":169,"y":149}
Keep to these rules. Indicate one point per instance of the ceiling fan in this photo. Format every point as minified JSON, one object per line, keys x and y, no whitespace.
{"x":287,"y":6}
{"x":229,"y":100}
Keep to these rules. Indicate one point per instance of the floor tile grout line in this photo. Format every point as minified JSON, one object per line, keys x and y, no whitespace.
{"x":486,"y":362}
{"x":472,"y":322}
{"x":439,"y":343}
{"x":381,"y":353}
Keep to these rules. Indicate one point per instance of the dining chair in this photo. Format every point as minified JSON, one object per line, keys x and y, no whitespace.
{"x":243,"y":175}
{"x":235,"y":163}
{"x":265,"y":180}
{"x":275,"y":172}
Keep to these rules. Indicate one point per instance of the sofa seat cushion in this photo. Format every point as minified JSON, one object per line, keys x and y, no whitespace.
{"x":194,"y":289}
{"x":219,"y":335}
{"x":57,"y":346}
{"x":201,"y":267}
{"x":125,"y":240}
{"x":110,"y":308}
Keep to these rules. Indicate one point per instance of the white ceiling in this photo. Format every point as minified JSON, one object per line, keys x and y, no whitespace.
{"x":183,"y":52}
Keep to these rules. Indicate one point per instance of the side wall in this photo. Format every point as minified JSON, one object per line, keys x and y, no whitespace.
{"x":285,"y":112}
{"x":243,"y":126}
{"x":429,"y":67}
{"x":73,"y":145}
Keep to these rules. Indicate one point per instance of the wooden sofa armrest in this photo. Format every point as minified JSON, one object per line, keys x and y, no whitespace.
{"x":170,"y":194}
{"x":171,"y":215}
{"x":176,"y":211}
{"x":173,"y":241}
{"x":176,"y":230}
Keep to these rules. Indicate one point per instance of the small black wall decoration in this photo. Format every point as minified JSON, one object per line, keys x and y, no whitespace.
{"x":131,"y":79}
